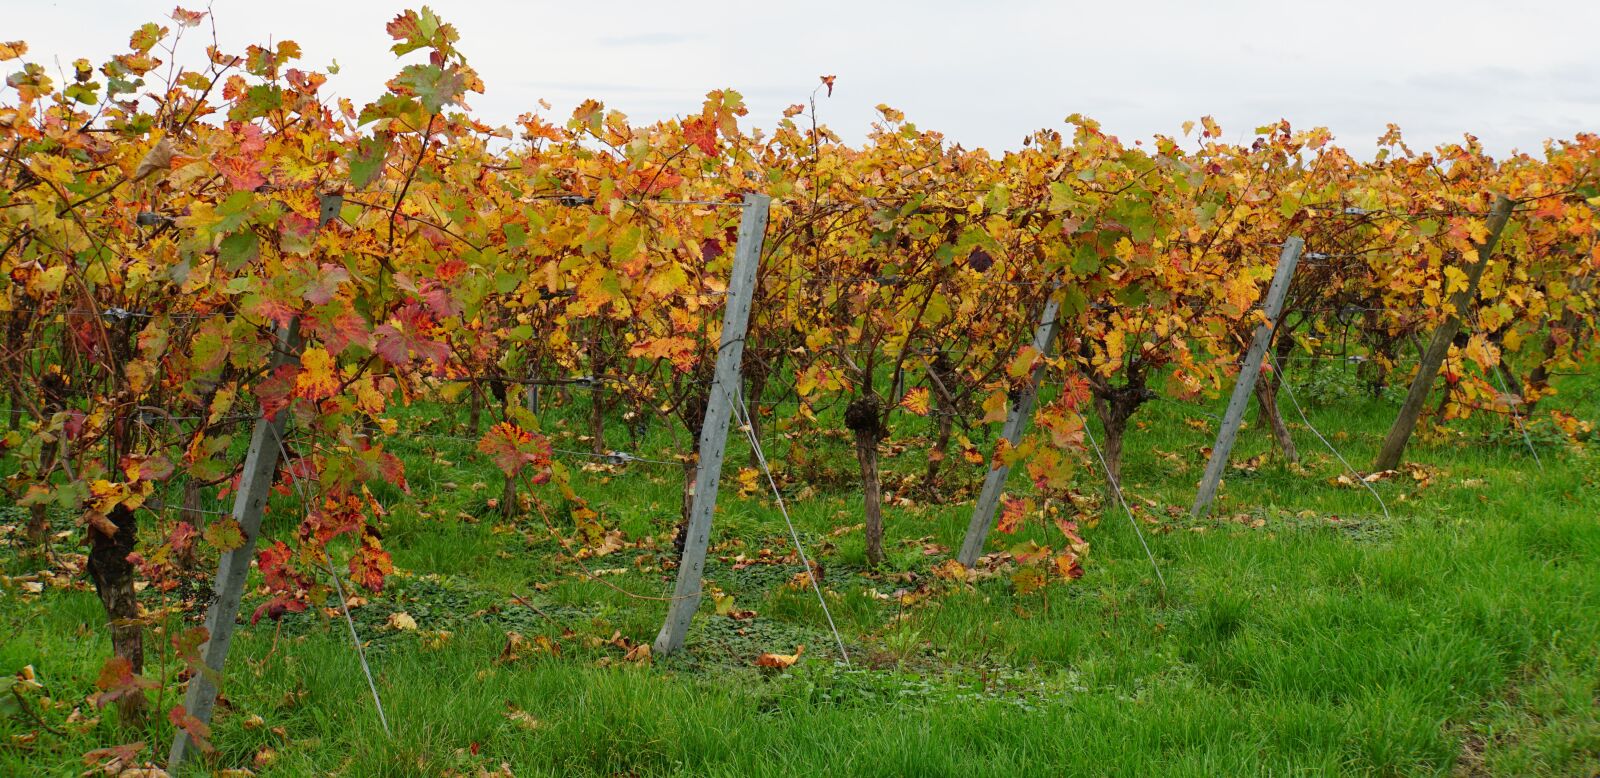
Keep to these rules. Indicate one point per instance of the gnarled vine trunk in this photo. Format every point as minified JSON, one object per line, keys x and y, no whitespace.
{"x":944,"y":419}
{"x":1267,"y":395}
{"x":864,"y":418}
{"x":112,"y":574}
{"x":1115,"y":407}
{"x":54,"y":390}
{"x":191,"y":513}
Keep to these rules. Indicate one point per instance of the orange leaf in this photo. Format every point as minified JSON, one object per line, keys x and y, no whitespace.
{"x":318,"y":378}
{"x":780,"y":661}
{"x":916,"y":401}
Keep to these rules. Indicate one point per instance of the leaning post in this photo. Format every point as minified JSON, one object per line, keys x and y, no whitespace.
{"x":1249,"y":373}
{"x":714,"y":430}
{"x":1394,"y":444}
{"x":1017,"y":420}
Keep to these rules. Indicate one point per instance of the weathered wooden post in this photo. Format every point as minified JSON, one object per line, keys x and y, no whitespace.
{"x":714,"y":430}
{"x":1249,"y":373}
{"x":1394,"y":444}
{"x":1016,"y":421}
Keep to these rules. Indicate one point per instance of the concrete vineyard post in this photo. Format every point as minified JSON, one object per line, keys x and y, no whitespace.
{"x":714,"y":430}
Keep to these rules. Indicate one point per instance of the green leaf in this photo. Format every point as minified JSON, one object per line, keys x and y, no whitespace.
{"x":224,"y":534}
{"x":516,"y":236}
{"x":368,"y":158}
{"x":1085,"y":259}
{"x":84,"y":93}
{"x":435,"y":86}
{"x":238,"y":249}
{"x":624,"y":246}
{"x":393,"y":106}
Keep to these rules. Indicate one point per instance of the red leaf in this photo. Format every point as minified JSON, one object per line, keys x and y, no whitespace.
{"x":370,"y":564}
{"x":513,"y":448}
{"x":1012,"y":512}
{"x":182,"y":537}
{"x":198,"y":730}
{"x":274,"y":563}
{"x":117,"y":680}
{"x":274,"y":391}
{"x":703,"y":133}
{"x":112,"y":759}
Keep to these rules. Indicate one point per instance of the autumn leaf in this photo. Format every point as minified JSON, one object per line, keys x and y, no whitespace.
{"x":113,"y":760}
{"x":916,"y":401}
{"x":513,"y":448}
{"x":421,"y":29}
{"x":1023,"y":363}
{"x":224,"y":534}
{"x":117,"y":680}
{"x":780,"y":661}
{"x":400,"y":620}
{"x":1012,"y":512}
{"x":995,"y":408}
{"x":370,"y":564}
{"x":1067,"y":566}
{"x":639,"y":653}
{"x":749,"y":481}
{"x":318,"y":378}
{"x":950,"y":570}
{"x":188,"y":18}
{"x":198,"y":731}
{"x":1027,"y":580}
{"x":702,"y":133}
{"x":158,"y":158}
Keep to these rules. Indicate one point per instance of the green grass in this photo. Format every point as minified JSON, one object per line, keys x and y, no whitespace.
{"x":1301,"y":631}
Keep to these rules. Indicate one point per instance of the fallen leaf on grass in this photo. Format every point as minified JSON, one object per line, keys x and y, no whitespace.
{"x":780,"y":661}
{"x":523,"y":719}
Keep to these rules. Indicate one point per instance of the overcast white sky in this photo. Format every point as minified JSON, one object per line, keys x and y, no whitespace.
{"x":1511,"y":72}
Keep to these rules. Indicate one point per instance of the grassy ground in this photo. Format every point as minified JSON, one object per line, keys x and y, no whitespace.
{"x":1301,"y":630}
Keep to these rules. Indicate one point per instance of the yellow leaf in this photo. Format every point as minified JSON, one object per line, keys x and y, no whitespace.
{"x":780,"y":661}
{"x":220,"y":403}
{"x":916,"y":401}
{"x":49,"y":281}
{"x":748,"y":483}
{"x":318,"y":377}
{"x":950,"y":570}
{"x":1023,"y":363}
{"x":402,"y":621}
{"x":667,"y":280}
{"x":995,"y":407}
{"x":138,"y":372}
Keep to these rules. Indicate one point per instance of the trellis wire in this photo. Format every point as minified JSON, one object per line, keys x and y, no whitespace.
{"x":327,"y":558}
{"x":1116,"y":487}
{"x":613,"y":457}
{"x":736,"y":394}
{"x":1290,"y":391}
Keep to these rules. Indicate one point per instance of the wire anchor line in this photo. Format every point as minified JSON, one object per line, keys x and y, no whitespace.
{"x":344,"y":605}
{"x":1116,"y":487}
{"x":1292,"y":399}
{"x":736,"y":394}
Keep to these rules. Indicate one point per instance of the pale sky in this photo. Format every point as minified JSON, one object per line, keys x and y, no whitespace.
{"x":1512,"y":72}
